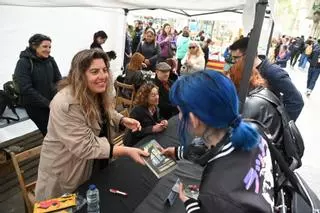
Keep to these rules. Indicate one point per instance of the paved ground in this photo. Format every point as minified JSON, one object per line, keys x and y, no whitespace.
{"x":308,"y":123}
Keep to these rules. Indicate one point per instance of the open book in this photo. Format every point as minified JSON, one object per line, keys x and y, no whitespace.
{"x":159,"y":164}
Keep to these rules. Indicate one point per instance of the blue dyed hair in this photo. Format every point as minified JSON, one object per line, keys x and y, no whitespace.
{"x":212,"y":97}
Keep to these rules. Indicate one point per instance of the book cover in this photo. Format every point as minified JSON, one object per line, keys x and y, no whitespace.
{"x":190,"y":190}
{"x":159,"y":164}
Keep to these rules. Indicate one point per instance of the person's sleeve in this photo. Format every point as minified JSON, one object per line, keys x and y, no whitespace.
{"x":147,"y":130}
{"x":179,"y":152}
{"x":192,"y":206}
{"x":23,"y":76}
{"x":162,"y":41}
{"x":69,"y":123}
{"x":199,"y":65}
{"x":57,"y":74}
{"x":292,"y":98}
{"x":139,"y":49}
{"x":279,"y":60}
{"x":185,"y":58}
{"x":211,"y":203}
{"x":167,"y":107}
{"x":155,"y":57}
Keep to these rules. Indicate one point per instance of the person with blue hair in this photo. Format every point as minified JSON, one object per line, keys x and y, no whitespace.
{"x":238,"y":170}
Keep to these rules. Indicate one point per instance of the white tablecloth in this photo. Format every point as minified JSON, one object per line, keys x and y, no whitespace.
{"x":17,"y":129}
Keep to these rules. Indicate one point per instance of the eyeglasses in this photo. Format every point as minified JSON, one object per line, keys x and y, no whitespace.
{"x":236,"y":58}
{"x":192,"y":47}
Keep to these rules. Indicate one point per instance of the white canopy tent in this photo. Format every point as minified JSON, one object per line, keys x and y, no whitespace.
{"x":72,"y":23}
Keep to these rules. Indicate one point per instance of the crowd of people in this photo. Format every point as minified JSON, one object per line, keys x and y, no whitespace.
{"x":297,"y":49}
{"x":77,"y":117}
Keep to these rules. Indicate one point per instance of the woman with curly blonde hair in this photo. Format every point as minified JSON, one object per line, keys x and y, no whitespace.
{"x":133,"y":74}
{"x":194,"y":59}
{"x":79,"y":128}
{"x":147,"y":113}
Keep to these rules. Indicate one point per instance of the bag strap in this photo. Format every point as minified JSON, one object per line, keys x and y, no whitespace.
{"x":278,"y":104}
{"x":31,"y":64}
{"x":278,"y":158}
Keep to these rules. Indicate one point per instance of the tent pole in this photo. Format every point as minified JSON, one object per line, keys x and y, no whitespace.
{"x":270,"y":38}
{"x":251,"y":52}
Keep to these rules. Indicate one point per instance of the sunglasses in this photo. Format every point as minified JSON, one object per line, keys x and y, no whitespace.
{"x":192,"y":47}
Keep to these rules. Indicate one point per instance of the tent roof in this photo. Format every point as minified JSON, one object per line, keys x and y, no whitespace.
{"x":200,"y":5}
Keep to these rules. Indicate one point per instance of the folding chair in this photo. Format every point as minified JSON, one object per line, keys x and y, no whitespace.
{"x":118,"y":140}
{"x":27,"y":189}
{"x":125,"y":95}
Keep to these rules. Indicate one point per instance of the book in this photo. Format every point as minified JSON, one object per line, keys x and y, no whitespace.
{"x":62,"y":204}
{"x":190,"y":190}
{"x":159,"y":164}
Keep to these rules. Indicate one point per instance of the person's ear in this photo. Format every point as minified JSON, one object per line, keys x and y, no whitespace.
{"x":194,"y":121}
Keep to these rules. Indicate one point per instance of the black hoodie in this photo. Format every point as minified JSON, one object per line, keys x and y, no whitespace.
{"x":37,"y":80}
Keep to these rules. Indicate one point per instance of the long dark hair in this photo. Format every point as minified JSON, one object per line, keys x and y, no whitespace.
{"x":100,"y":34}
{"x":37,"y":39}
{"x":164,"y":27}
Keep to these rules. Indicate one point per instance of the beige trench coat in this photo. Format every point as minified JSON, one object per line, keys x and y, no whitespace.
{"x":69,"y":147}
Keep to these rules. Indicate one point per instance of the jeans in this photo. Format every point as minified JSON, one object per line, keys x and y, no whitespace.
{"x":313,"y":74}
{"x":303,"y":61}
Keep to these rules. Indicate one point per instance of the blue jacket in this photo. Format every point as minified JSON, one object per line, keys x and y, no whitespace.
{"x":279,"y":81}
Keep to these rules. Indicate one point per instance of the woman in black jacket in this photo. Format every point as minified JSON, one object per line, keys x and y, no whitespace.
{"x":37,"y":74}
{"x":258,"y":108}
{"x":133,"y":72}
{"x":150,"y":49}
{"x":237,"y":176}
{"x":147,"y":113}
{"x":100,"y":38}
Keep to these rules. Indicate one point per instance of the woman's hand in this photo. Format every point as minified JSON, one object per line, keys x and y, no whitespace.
{"x":168,"y":152}
{"x":136,"y":154}
{"x":132,"y":124}
{"x":158,"y":128}
{"x":144,"y":65}
{"x":164,"y":123}
{"x":147,"y":62}
{"x":182,"y":195}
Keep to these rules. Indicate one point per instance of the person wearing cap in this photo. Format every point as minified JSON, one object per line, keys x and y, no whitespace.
{"x":36,"y":75}
{"x":166,"y":109}
{"x":149,"y":49}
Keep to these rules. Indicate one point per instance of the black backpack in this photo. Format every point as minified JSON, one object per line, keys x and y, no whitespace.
{"x":292,"y":194}
{"x":15,"y":86}
{"x":7,"y":101}
{"x":293,"y":144}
